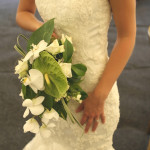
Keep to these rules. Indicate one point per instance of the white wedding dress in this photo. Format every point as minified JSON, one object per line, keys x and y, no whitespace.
{"x":87,"y":22}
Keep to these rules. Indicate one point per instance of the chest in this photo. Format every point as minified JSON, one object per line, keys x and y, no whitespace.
{"x":73,"y":10}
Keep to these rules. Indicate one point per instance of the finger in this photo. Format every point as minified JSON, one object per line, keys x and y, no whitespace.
{"x":102,"y":117}
{"x":80,"y":108}
{"x":84,"y":119}
{"x":54,"y":35}
{"x":95,"y":124}
{"x":90,"y":121}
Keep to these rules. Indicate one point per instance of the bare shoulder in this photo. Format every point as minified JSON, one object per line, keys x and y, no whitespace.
{"x":27,"y":5}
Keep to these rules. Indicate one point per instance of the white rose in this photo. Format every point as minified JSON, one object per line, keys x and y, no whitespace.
{"x":54,"y":48}
{"x":21,"y":68}
{"x":66,"y":68}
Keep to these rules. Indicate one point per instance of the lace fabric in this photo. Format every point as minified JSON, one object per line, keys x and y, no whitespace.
{"x":87,"y":22}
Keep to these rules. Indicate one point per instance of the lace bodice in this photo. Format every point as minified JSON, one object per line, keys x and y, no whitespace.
{"x":87,"y":21}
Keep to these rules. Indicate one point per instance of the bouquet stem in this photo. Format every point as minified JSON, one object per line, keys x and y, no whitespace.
{"x":73,"y":119}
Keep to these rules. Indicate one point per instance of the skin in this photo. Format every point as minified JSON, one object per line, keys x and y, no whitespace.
{"x":124,"y":15}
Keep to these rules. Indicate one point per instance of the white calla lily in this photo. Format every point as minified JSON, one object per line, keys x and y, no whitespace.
{"x":21,"y":68}
{"x":54,"y":48}
{"x":34,"y":52}
{"x":34,"y":105}
{"x":66,"y":68}
{"x":35,"y":80}
{"x":31,"y":125}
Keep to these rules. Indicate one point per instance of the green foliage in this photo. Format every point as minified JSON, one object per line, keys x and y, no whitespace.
{"x":48,"y":101}
{"x":78,"y":70}
{"x":58,"y":106}
{"x":67,"y":54}
{"x":58,"y":81}
{"x":75,"y":89}
{"x":28,"y":92}
{"x":42,"y":33}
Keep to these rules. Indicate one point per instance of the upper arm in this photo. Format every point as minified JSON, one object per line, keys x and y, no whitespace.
{"x":26,"y":5}
{"x":124,"y":14}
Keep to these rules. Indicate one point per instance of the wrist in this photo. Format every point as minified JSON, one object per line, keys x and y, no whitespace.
{"x":100,"y":94}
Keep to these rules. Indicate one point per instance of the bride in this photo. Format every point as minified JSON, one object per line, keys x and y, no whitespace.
{"x":87,"y":22}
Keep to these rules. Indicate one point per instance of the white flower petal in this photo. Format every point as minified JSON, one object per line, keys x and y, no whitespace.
{"x":37,"y":79}
{"x":51,"y":114}
{"x":38,"y":100}
{"x":33,"y":88}
{"x":27,"y":103}
{"x":66,"y":68}
{"x":31,"y":125}
{"x":78,"y":96}
{"x":54,"y":47}
{"x":26,"y":81}
{"x":62,"y":49}
{"x":64,"y":37}
{"x":31,"y":59}
{"x":21,"y":67}
{"x":44,"y":131}
{"x":42,"y":45}
{"x":28,"y":56}
{"x":36,"y":128}
{"x":37,"y":49}
{"x":37,"y":109}
{"x":26,"y":113}
{"x":69,"y":38}
{"x":45,"y":120}
{"x":21,"y":94}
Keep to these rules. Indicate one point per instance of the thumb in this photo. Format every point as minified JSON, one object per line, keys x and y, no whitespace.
{"x":80,"y":108}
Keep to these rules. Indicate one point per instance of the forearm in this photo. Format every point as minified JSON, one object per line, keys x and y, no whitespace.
{"x":28,"y":21}
{"x":118,"y":59}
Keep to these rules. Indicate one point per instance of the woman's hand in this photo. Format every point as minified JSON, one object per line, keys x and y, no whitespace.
{"x":55,"y":35}
{"x":93,"y":107}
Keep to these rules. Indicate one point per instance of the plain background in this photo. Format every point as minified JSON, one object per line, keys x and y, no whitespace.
{"x":133,"y":84}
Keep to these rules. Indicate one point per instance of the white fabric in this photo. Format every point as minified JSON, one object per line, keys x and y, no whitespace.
{"x":87,"y":22}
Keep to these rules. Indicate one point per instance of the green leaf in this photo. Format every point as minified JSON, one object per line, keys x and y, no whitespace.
{"x":42,"y":33}
{"x":71,"y":116}
{"x":75,"y":80}
{"x":28,"y":92}
{"x":48,"y":101}
{"x":78,"y":70}
{"x":75,"y":89}
{"x":58,"y":106}
{"x":67,"y":54}
{"x":58,"y":81}
{"x":19,"y":50}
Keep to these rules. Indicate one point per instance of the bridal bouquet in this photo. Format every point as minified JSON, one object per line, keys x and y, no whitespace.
{"x":49,"y":79}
